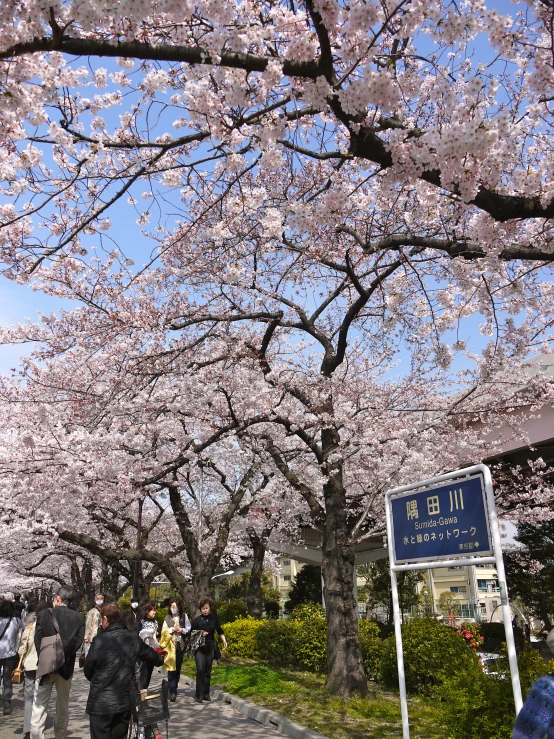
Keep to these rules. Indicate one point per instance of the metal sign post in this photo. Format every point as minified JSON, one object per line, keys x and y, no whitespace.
{"x":430,"y":524}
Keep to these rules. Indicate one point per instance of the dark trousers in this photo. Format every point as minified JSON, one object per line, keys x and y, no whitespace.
{"x":204,"y":658}
{"x":145,"y":675}
{"x":113,"y":726}
{"x":8,"y":665}
{"x":174,"y":675}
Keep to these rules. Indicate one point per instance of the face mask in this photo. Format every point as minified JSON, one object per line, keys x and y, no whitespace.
{"x":174,"y":610}
{"x":99,"y":602}
{"x":134,"y":605}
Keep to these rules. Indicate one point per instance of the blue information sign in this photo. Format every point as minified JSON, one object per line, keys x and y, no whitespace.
{"x":441,"y":522}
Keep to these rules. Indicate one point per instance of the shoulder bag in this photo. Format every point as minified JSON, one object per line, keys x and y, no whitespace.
{"x":17,"y":674}
{"x":51,"y":656}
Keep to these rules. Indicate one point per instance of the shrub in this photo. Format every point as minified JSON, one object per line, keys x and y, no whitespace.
{"x":432,"y":654}
{"x":309,"y":642}
{"x":231,"y":611}
{"x":241,"y":637}
{"x":271,"y":609}
{"x":372,"y":648}
{"x":161,"y":613}
{"x":307,"y":611}
{"x":385,"y":630}
{"x":480,"y":705}
{"x":125,"y":603}
{"x":276,"y":641}
{"x":495,"y":635}
{"x":471,"y":633}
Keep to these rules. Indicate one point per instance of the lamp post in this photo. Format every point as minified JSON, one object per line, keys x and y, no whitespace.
{"x":221,"y":574}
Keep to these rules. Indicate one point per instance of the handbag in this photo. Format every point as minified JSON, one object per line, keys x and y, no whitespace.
{"x":197,"y":640}
{"x":82,"y":657}
{"x":17,"y":674}
{"x":217,"y":652}
{"x":51,"y":656}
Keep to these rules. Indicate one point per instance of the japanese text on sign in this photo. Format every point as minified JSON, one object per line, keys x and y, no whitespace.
{"x":446,"y":521}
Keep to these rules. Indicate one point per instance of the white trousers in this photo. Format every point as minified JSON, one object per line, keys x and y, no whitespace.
{"x":40,"y":704}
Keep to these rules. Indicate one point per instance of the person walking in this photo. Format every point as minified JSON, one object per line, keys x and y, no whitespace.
{"x":175,"y":631}
{"x":28,"y":653}
{"x":18,"y":606}
{"x":133,"y":614}
{"x":147,"y":629}
{"x":208,"y":623}
{"x":110,"y":668}
{"x":11,"y":629}
{"x":92,"y":622}
{"x":72,"y":631}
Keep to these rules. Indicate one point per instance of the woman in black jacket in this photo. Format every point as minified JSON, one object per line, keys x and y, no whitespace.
{"x":208,"y":623}
{"x":110,"y":667}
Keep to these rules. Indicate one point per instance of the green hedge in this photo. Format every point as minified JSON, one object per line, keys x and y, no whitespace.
{"x":297,"y":642}
{"x":433,"y":653}
{"x":241,"y":638}
{"x":478,"y":705}
{"x":495,"y":636}
{"x":231,"y":611}
{"x":372,"y":649}
{"x":161,"y":613}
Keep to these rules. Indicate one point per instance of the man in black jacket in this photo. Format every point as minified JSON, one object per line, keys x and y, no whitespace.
{"x":72,"y":632}
{"x":110,"y":667}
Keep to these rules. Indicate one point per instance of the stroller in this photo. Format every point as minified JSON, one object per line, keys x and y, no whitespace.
{"x":150,"y":711}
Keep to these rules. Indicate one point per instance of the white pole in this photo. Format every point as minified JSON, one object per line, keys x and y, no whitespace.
{"x":510,"y":641}
{"x":400,"y":656}
{"x":397,"y":624}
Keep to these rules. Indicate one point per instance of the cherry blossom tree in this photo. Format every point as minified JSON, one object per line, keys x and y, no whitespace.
{"x":394,"y":89}
{"x":110,"y":448}
{"x":353,"y":186}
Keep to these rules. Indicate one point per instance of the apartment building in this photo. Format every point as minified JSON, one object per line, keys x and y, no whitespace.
{"x":474,"y":589}
{"x":285,"y":579}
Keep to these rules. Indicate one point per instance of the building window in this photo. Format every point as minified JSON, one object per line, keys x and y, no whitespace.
{"x":454,"y":568}
{"x":286,"y":562}
{"x":483,"y":609}
{"x":468,"y":610}
{"x":458,"y":589}
{"x":482,"y":585}
{"x":286,"y":578}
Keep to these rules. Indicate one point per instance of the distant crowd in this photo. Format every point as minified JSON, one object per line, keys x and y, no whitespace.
{"x":118,"y":650}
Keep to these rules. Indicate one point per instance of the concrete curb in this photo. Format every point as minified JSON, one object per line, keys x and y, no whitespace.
{"x":262,"y":715}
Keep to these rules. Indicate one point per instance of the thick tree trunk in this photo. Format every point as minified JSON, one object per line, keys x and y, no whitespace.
{"x":345,"y":670}
{"x":201,"y":586}
{"x":254,"y":598}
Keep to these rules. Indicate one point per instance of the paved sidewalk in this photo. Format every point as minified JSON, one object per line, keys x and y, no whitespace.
{"x":189,"y":720}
